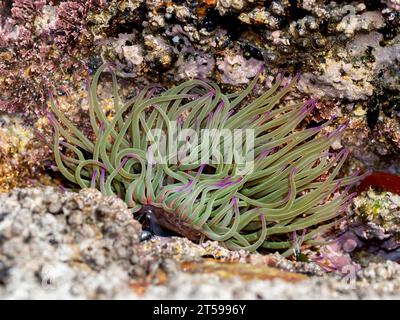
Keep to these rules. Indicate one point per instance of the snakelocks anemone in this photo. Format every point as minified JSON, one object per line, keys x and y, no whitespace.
{"x":266,"y":186}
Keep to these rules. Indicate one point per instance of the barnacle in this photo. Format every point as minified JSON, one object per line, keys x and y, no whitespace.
{"x":293,"y":186}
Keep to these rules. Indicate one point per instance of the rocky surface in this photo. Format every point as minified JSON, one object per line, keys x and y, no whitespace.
{"x":85,"y":245}
{"x":67,"y":245}
{"x":64,"y":245}
{"x":378,"y":281}
{"x":375,"y":228}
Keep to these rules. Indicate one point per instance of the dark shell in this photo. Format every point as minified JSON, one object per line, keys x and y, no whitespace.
{"x":170,"y":221}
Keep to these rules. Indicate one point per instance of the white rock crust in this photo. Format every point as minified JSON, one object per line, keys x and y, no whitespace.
{"x":64,"y":246}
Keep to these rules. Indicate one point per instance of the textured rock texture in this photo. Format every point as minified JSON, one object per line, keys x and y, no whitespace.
{"x":376,"y":224}
{"x":67,"y":245}
{"x":64,"y":245}
{"x":86,"y":246}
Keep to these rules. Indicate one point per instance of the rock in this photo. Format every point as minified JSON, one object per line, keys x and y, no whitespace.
{"x":71,"y":245}
{"x":377,"y":223}
{"x":91,"y":249}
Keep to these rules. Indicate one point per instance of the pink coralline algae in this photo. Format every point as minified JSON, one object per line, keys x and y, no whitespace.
{"x":334,"y":257}
{"x":34,"y":37}
{"x":70,"y":23}
{"x":199,"y":66}
{"x":26,"y":10}
{"x":235,"y":69}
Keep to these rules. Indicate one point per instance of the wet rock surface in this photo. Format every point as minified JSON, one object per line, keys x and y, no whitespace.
{"x":86,"y":245}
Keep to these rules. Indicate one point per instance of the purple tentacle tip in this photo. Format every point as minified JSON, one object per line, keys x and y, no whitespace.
{"x":234,"y":201}
{"x":337,"y":186}
{"x":347,"y":189}
{"x":303,"y":234}
{"x":179,"y":120}
{"x":112,"y":66}
{"x":309,"y":106}
{"x":209,"y":118}
{"x":101,"y":127}
{"x":226,"y":179}
{"x":313,"y":104}
{"x":264,"y":153}
{"x":211,"y":93}
{"x":225,"y":184}
{"x":51,"y":118}
{"x":266,"y":114}
{"x":220,"y":107}
{"x":94,"y":177}
{"x":124,"y":161}
{"x":185,"y":186}
{"x":337,"y":132}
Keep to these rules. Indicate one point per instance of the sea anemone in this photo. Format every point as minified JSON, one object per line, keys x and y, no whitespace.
{"x":291,"y":191}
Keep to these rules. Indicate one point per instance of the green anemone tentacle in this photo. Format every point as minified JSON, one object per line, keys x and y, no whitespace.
{"x":292,"y":186}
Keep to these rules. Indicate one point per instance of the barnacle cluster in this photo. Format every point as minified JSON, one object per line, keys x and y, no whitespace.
{"x":292,"y":193}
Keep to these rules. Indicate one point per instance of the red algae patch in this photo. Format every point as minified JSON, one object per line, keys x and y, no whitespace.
{"x":381,"y":181}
